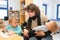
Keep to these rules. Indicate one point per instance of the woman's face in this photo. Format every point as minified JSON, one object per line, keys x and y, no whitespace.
{"x":31,"y":14}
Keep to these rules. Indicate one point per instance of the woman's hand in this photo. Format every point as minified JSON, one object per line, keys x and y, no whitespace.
{"x":39,"y":33}
{"x":25,"y":33}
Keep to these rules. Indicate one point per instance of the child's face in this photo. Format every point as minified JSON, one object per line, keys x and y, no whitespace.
{"x":31,"y":14}
{"x":14,"y":23}
{"x":52,"y":26}
{"x":48,"y":25}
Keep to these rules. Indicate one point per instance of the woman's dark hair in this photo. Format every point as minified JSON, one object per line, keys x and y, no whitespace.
{"x":33,"y":8}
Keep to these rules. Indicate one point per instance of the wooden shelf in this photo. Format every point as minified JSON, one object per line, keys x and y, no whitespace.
{"x":13,"y":13}
{"x":22,"y":13}
{"x":27,"y":2}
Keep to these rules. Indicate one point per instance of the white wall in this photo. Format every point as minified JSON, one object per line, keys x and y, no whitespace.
{"x":15,"y":4}
{"x":54,"y":8}
{"x":40,"y":4}
{"x":51,"y":7}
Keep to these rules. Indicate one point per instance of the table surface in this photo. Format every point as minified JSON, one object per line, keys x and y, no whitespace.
{"x":11,"y":38}
{"x":16,"y":37}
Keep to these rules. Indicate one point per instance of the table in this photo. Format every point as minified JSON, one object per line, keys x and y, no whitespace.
{"x":16,"y":37}
{"x":12,"y":38}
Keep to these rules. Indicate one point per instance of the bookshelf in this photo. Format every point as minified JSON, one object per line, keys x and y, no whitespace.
{"x":27,"y":2}
{"x":22,"y":12}
{"x":23,"y":15}
{"x":14,"y":13}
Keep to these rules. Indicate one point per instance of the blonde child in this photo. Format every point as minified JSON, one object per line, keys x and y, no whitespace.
{"x":13,"y":27}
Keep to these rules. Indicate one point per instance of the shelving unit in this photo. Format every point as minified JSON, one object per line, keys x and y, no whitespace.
{"x":27,"y":2}
{"x":14,"y":14}
{"x":22,"y":12}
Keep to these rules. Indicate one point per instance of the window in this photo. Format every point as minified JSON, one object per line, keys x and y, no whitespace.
{"x":45,"y":8}
{"x":58,"y":11}
{"x":3,"y":8}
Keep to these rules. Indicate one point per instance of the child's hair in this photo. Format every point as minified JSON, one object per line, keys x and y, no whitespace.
{"x":53,"y":26}
{"x":12,"y":19}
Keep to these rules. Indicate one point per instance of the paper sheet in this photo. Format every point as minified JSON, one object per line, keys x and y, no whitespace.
{"x":4,"y":35}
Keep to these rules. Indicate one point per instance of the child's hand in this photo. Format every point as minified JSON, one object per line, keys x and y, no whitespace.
{"x":4,"y":29}
{"x":11,"y":33}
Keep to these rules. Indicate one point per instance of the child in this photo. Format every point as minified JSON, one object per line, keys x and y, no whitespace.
{"x":48,"y":28}
{"x":13,"y":27}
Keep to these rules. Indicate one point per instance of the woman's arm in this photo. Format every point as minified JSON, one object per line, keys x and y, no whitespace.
{"x":40,"y":33}
{"x":23,"y":26}
{"x":25,"y":31}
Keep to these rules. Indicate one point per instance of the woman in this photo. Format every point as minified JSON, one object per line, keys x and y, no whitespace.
{"x":34,"y":20}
